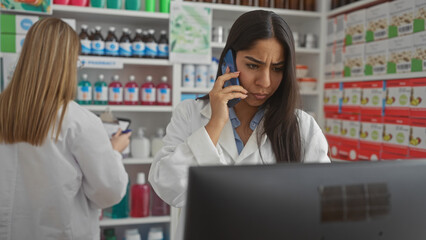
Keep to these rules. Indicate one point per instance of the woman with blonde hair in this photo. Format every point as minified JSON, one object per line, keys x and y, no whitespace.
{"x":58,"y":167}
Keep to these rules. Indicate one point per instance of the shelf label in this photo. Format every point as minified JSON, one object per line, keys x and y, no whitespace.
{"x":101,"y":63}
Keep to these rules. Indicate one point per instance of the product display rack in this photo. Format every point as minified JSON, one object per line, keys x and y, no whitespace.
{"x":379,"y":77}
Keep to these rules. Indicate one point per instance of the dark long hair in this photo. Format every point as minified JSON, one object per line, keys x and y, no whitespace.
{"x":281,"y":123}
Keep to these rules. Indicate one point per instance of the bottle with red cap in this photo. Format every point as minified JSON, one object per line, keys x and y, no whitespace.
{"x":148,"y":92}
{"x":139,"y":204}
{"x":131,"y":92}
{"x":164,"y":92}
{"x":115,"y":96}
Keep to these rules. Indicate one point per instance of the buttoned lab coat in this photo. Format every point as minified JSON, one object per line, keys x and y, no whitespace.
{"x":187,"y":143}
{"x":55,"y":191}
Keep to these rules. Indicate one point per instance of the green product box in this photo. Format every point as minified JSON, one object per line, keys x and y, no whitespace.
{"x":377,"y":22}
{"x":16,"y":24}
{"x":419,"y":15}
{"x":399,"y":54}
{"x":355,"y":28}
{"x":418,"y":60}
{"x":401,"y":16}
{"x":375,"y":57}
{"x":11,"y":43}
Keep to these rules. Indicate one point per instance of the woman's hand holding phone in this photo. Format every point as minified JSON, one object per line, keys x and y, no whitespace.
{"x":219,"y":97}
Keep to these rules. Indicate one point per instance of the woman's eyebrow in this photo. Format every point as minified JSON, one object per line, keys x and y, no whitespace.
{"x":262,"y":63}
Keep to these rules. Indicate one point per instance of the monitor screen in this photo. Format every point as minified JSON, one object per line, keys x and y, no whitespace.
{"x":351,"y":201}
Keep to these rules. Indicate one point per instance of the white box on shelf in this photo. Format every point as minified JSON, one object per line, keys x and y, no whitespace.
{"x":355,"y":28}
{"x":399,"y":54}
{"x":377,"y":22}
{"x":418,"y":60}
{"x":340,"y":30}
{"x":419,"y":16}
{"x":331,"y":31}
{"x":354,"y":61}
{"x":329,"y":63}
{"x":401,"y":17}
{"x":338,"y":62}
{"x":375,"y":57}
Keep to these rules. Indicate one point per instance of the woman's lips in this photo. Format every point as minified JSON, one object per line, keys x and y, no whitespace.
{"x":259,"y":96}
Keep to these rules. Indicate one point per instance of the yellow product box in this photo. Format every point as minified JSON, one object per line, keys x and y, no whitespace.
{"x":377,"y":22}
{"x":355,"y":28}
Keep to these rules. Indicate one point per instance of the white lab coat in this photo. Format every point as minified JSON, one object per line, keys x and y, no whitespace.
{"x":187,"y":143}
{"x":55,"y":191}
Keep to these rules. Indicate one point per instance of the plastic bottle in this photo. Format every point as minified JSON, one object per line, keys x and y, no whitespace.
{"x":132,"y":5}
{"x":165,"y":6}
{"x":109,"y":234}
{"x":151,"y":46}
{"x":155,"y":233}
{"x":158,"y":206}
{"x":131,"y":92}
{"x":140,"y":145}
{"x":115,"y":89}
{"x":62,"y":2}
{"x":188,"y":75}
{"x":140,"y":197}
{"x":86,"y":43}
{"x":121,"y":209}
{"x":150,"y":5}
{"x":81,"y":3}
{"x":212,"y":73}
{"x":164,"y":91}
{"x":111,"y":43}
{"x":148,"y":92}
{"x":132,"y":234}
{"x":98,"y":43}
{"x":100,"y":91}
{"x":114,"y":4}
{"x":125,"y":44}
{"x":201,"y":76}
{"x":138,"y":46}
{"x":157,"y":141}
{"x":163,"y":46}
{"x":84,"y":91}
{"x":98,"y":3}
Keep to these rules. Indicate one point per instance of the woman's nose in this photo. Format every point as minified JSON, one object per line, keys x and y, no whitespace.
{"x":264,"y":80}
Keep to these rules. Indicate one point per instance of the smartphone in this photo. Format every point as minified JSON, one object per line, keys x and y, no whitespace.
{"x":229,"y":61}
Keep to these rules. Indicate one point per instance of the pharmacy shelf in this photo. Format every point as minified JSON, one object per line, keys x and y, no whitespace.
{"x":106,"y":222}
{"x":216,"y":45}
{"x":379,"y":77}
{"x":98,"y":61}
{"x":353,"y":6}
{"x":112,"y":15}
{"x":134,"y":161}
{"x":125,"y":108}
{"x":309,"y":92}
{"x":195,"y":90}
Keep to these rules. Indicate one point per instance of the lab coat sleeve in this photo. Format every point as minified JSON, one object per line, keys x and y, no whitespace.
{"x":182,"y":149}
{"x":315,"y":144}
{"x":104,"y":177}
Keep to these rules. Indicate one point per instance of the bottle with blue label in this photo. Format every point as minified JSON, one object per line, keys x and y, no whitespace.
{"x":212,"y":72}
{"x":98,"y":43}
{"x":151,"y":46}
{"x":164,"y":91}
{"x":84,"y":91}
{"x":115,"y":91}
{"x":163,"y":46}
{"x":148,"y":92}
{"x":86,"y":43}
{"x":125,"y":44}
{"x":100,"y":91}
{"x":131,"y":92}
{"x":138,"y":45}
{"x":111,"y":43}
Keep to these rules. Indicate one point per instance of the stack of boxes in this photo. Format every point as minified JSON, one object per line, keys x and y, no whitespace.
{"x":13,"y":30}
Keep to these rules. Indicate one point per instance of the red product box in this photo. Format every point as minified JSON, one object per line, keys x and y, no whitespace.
{"x":393,"y":156}
{"x":371,"y":133}
{"x":417,"y":98}
{"x":348,"y":152}
{"x":351,"y":97}
{"x":332,"y":97}
{"x":332,"y":132}
{"x":417,"y":139}
{"x":396,"y":133}
{"x":369,"y":155}
{"x":349,"y":130}
{"x":397,"y":97}
{"x":372,"y":98}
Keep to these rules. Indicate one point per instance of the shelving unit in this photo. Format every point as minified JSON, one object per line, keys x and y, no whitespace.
{"x":121,"y":60}
{"x":352,"y":7}
{"x":379,"y":77}
{"x":107,"y":222}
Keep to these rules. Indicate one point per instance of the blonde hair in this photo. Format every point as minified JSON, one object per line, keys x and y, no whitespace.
{"x":44,"y":81}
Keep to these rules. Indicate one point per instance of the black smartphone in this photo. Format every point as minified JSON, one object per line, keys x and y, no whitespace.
{"x":229,"y":61}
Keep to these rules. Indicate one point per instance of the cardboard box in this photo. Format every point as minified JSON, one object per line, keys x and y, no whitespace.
{"x":332,"y":129}
{"x":401,"y":17}
{"x":333,"y":97}
{"x":371,"y":133}
{"x":348,"y":152}
{"x":355,"y":27}
{"x":351,"y":97}
{"x":338,"y":65}
{"x":329,"y":63}
{"x":369,"y":155}
{"x":418,"y":98}
{"x":377,"y":22}
{"x":16,"y":24}
{"x":399,"y":54}
{"x":397,"y":97}
{"x":354,"y":61}
{"x":349,"y":132}
{"x":375,"y":58}
{"x":419,"y":15}
{"x":418,"y":59}
{"x":417,"y":139}
{"x":396,"y":134}
{"x":340,"y":30}
{"x":11,"y":43}
{"x":331,"y":31}
{"x":373,"y":98}
{"x":392,"y":156}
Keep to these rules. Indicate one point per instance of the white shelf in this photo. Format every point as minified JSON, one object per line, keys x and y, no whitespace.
{"x":379,"y":77}
{"x":309,"y":93}
{"x":195,"y":90}
{"x":132,"y":221}
{"x":132,"y":161}
{"x":352,"y":6}
{"x":216,"y":45}
{"x":126,"y":108}
{"x":129,"y":61}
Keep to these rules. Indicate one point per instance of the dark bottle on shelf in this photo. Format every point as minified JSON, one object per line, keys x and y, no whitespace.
{"x":294,"y":4}
{"x":163,"y":46}
{"x":125,"y":44}
{"x":98,"y":43}
{"x":280,"y":4}
{"x":111,"y":43}
{"x":246,"y":2}
{"x":138,"y":45}
{"x":85,"y":42}
{"x":334,"y":4}
{"x":264,"y":3}
{"x":309,"y":5}
{"x":232,"y":2}
{"x":151,"y":46}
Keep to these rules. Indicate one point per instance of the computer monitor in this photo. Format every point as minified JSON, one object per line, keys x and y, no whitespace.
{"x":350,"y":201}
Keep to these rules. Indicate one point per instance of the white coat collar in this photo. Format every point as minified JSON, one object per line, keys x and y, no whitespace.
{"x":227,"y":140}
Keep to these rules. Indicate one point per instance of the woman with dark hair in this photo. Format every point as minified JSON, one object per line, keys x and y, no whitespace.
{"x":264,"y":127}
